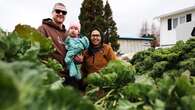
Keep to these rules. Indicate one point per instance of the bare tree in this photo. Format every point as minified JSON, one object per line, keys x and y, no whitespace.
{"x":155,"y":33}
{"x":153,"y":29}
{"x":144,"y":32}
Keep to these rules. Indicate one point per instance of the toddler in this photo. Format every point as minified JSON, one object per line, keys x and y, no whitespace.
{"x":75,"y":45}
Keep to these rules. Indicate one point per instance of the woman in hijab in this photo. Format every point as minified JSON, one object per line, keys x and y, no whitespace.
{"x":98,"y":54}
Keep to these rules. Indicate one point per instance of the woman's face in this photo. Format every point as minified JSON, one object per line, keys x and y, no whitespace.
{"x":95,"y":38}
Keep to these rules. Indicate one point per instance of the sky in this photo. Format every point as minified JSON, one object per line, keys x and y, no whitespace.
{"x":129,"y":15}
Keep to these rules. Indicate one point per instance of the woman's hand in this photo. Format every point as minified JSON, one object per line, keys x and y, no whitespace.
{"x":78,"y":59}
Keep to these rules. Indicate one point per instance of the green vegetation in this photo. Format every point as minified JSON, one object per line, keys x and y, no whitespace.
{"x":161,"y":79}
{"x":29,"y":80}
{"x":155,"y":79}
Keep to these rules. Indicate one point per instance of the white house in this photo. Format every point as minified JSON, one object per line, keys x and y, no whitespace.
{"x":176,"y":26}
{"x":133,"y":44}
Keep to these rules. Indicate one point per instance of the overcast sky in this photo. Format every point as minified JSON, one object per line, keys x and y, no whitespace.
{"x":128,"y":14}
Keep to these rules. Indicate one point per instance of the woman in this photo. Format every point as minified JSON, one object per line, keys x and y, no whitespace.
{"x":98,"y":54}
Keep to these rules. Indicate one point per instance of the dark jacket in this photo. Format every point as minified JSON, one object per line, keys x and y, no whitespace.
{"x":58,"y":35}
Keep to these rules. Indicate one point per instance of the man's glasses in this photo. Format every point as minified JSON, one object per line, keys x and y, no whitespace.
{"x":60,"y":11}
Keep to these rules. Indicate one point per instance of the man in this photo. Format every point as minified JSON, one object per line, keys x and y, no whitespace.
{"x":55,"y":29}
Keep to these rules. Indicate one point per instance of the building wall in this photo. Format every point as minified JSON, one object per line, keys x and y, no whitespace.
{"x":193,"y":15}
{"x":181,"y":32}
{"x":167,"y":37}
{"x":133,"y":46}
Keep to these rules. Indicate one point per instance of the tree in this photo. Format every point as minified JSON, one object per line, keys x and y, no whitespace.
{"x":94,"y":14}
{"x":144,"y":29}
{"x":153,"y":33}
{"x":153,"y":29}
{"x":111,"y":29}
{"x":91,"y":15}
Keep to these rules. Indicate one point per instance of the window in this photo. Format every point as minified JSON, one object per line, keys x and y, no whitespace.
{"x":182,"y":19}
{"x":193,"y":32}
{"x":175,"y":22}
{"x":169,"y":24}
{"x":188,"y":17}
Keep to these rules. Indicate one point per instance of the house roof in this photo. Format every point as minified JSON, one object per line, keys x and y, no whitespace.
{"x":176,"y":12}
{"x":133,"y":38}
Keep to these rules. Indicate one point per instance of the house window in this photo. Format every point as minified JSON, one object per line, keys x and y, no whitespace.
{"x":193,"y":32}
{"x":169,"y":24}
{"x":182,"y":19}
{"x":188,"y":17}
{"x":175,"y":23}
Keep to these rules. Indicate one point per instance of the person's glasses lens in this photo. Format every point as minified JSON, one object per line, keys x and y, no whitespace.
{"x":60,"y":11}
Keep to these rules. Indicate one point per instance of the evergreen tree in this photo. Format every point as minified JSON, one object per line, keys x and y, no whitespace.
{"x":111,"y":29}
{"x":91,"y":15}
{"x":94,"y":14}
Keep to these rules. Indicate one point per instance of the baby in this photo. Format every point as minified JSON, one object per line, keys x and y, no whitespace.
{"x":75,"y":45}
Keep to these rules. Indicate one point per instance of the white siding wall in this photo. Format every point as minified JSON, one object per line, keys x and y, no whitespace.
{"x":181,"y":32}
{"x":167,"y":37}
{"x":133,"y":46}
{"x":193,"y":16}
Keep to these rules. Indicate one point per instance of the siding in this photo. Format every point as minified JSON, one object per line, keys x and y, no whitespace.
{"x":183,"y":32}
{"x":133,"y":46}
